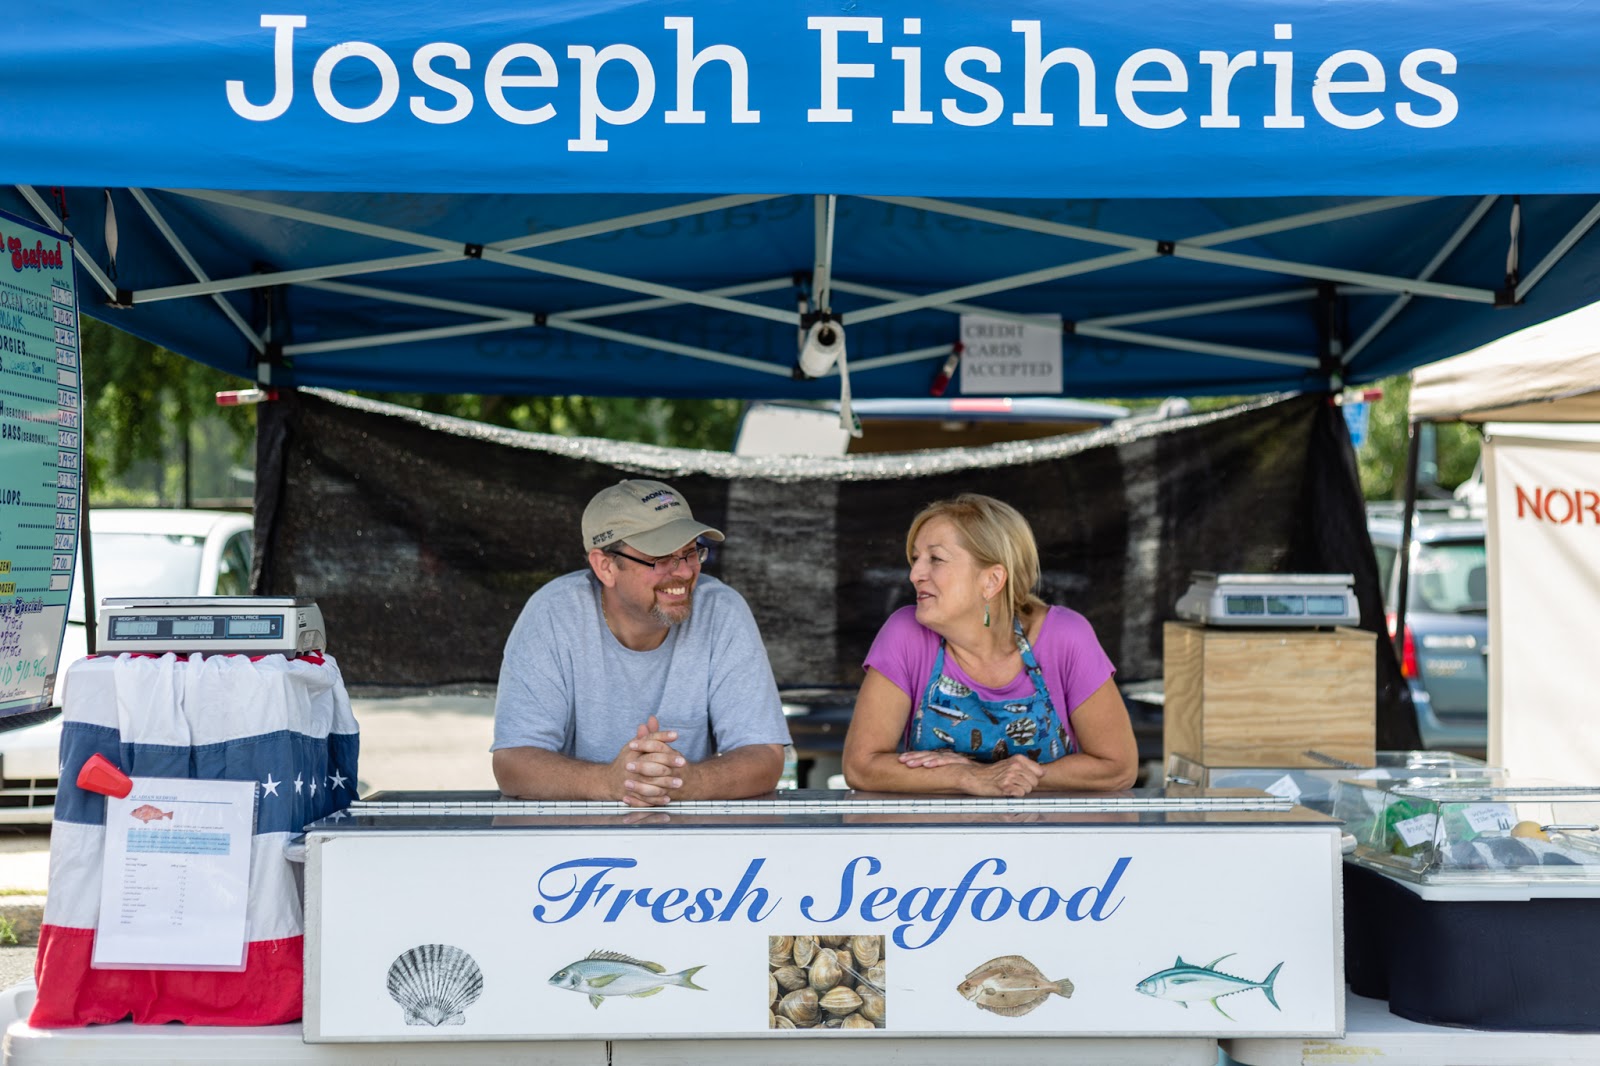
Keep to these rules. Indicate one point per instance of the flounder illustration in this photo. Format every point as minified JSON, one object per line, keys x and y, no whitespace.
{"x":1011,"y":986}
{"x":611,"y":973}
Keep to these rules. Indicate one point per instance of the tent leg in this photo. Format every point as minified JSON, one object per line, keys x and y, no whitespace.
{"x":1413,"y":459}
{"x":86,"y":553}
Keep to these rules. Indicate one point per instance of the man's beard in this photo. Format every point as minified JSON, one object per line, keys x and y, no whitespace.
{"x":678,"y":616}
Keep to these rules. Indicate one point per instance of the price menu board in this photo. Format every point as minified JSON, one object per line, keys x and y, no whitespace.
{"x":41,"y":457}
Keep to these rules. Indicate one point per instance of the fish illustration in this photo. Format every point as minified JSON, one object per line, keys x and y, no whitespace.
{"x":1001,"y":751}
{"x":1016,"y":708}
{"x":611,"y":973}
{"x":1010,"y":986}
{"x":148,"y":814}
{"x":942,"y":735}
{"x":951,"y":687}
{"x":977,"y":740}
{"x":1185,"y":983}
{"x":949,"y":712}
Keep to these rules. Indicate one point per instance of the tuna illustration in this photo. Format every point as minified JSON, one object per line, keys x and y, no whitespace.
{"x":611,"y":973}
{"x":1185,"y":983}
{"x":148,"y":814}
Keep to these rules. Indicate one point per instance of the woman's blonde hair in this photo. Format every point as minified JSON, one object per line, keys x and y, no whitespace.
{"x":996,"y":534}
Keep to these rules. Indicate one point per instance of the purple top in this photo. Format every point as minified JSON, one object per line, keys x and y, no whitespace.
{"x":1068,"y":652}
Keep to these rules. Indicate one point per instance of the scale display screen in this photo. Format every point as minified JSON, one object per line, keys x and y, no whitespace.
{"x":196,"y":627}
{"x":210,"y":625}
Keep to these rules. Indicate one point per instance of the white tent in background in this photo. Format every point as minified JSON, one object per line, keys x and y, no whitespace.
{"x":1545,"y":373}
{"x":1538,"y":394}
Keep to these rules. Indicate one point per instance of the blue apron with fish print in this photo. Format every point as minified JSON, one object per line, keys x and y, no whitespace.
{"x":952,"y":717}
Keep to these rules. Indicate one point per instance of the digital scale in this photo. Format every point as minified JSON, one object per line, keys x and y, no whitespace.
{"x":1269,"y":600}
{"x":212,"y":625}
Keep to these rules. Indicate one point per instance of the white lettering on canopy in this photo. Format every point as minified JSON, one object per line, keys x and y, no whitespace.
{"x":849,"y":50}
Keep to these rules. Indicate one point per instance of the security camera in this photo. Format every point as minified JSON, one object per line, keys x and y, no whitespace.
{"x":821,"y":349}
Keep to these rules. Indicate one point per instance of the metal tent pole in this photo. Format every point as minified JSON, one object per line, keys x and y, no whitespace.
{"x":1413,"y":458}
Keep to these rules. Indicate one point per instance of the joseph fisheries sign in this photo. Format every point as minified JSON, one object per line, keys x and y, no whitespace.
{"x":1011,"y":930}
{"x":1046,"y":99}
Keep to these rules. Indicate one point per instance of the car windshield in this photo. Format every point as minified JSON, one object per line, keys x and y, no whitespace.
{"x":1450,"y":577}
{"x":140,"y":564}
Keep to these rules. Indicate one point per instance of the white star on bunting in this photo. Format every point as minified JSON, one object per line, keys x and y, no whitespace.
{"x":269,"y":787}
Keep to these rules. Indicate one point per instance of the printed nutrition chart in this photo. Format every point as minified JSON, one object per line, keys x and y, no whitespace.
{"x":176,"y":876}
{"x":41,"y":452}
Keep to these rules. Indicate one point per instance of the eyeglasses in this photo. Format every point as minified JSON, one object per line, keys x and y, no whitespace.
{"x":666,"y":564}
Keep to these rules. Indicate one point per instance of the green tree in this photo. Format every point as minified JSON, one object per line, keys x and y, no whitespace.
{"x":151,"y":419}
{"x":1382,"y":458}
{"x":647,"y":420}
{"x":147,"y":410}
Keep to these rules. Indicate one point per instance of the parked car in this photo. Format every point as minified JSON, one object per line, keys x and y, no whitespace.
{"x":1445,"y":644}
{"x":136,"y":552}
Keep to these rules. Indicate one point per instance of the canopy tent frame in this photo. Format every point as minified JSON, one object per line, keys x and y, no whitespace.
{"x":823,"y":280}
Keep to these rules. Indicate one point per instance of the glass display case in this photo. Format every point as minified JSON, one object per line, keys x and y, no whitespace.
{"x":1483,"y":832}
{"x":1316,"y":786}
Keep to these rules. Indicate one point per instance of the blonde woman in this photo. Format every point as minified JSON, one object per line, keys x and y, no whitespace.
{"x":980,"y":688}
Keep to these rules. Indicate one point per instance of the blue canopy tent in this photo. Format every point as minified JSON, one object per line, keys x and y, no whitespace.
{"x":621,"y":198}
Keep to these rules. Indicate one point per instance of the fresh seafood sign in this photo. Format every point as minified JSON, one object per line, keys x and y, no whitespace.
{"x":865,"y":891}
{"x":611,"y":973}
{"x":826,"y":982}
{"x":1011,"y":986}
{"x":1184,"y":983}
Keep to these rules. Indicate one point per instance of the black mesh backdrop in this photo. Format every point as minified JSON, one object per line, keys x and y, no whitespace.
{"x":421,"y":537}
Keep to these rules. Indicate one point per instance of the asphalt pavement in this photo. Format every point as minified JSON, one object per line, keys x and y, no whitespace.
{"x":413,"y":742}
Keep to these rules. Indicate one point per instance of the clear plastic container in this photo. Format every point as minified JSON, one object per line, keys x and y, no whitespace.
{"x":1495,"y":830}
{"x":1316,"y":787}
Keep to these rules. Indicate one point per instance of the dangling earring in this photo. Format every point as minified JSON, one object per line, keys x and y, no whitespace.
{"x":986,"y":614}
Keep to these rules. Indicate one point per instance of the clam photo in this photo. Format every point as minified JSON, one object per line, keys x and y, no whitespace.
{"x":825,"y":982}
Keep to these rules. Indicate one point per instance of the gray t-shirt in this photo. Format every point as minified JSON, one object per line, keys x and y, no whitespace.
{"x":568,"y":685}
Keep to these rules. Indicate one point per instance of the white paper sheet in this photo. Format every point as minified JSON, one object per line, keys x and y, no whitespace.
{"x":176,"y":875}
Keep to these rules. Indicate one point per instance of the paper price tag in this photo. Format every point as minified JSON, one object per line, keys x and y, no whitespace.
{"x":1490,"y":817}
{"x":1418,"y":830}
{"x":1284,"y":788}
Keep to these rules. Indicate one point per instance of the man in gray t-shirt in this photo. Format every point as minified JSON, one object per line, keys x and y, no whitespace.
{"x":639,"y":679}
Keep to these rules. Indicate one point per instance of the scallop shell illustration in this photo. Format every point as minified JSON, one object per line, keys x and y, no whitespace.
{"x":435,"y":984}
{"x":951,"y":687}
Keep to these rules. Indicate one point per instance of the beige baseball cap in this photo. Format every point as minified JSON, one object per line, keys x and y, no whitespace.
{"x":647,"y":515}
